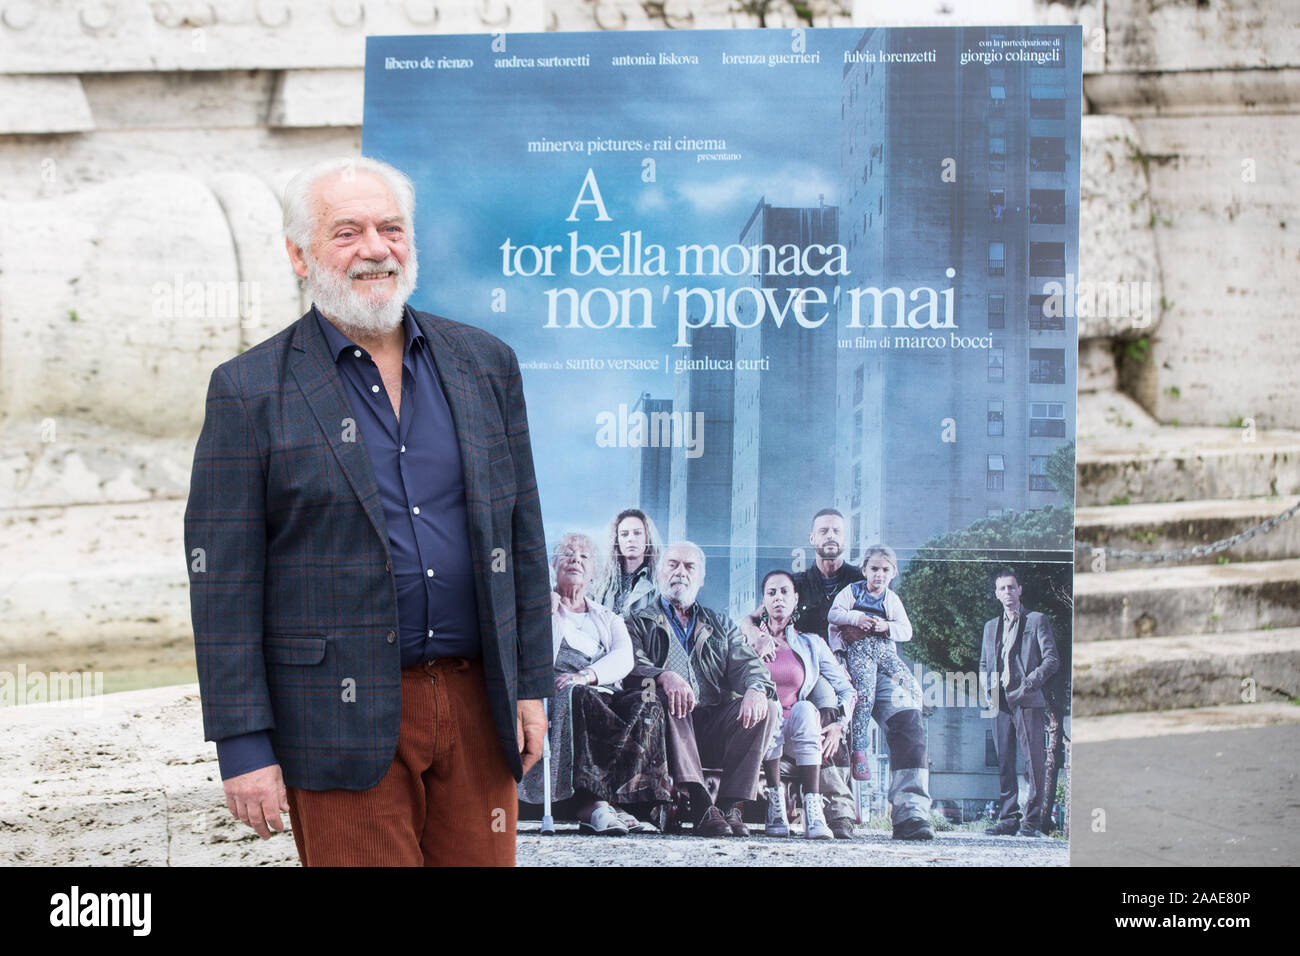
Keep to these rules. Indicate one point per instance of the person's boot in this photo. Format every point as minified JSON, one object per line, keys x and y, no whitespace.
{"x":777,"y":824}
{"x":814,"y":822}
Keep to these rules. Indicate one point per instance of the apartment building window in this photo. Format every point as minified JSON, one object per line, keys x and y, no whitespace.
{"x":859,"y":384}
{"x":996,"y":472}
{"x":1047,"y":102}
{"x":857,"y":485}
{"x":997,"y":98}
{"x":1047,"y":312}
{"x":997,"y":311}
{"x":996,"y":371}
{"x":997,"y":259}
{"x":998,"y":153}
{"x":1047,"y":366}
{"x":859,"y":433}
{"x":995,"y":422}
{"x":1047,"y":154}
{"x":1038,"y":474}
{"x":1047,"y":259}
{"x":1047,"y":206}
{"x":1047,"y":419}
{"x":997,"y":204}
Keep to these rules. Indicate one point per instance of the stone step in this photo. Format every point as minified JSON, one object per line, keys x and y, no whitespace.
{"x":1173,"y":526}
{"x":79,"y":575}
{"x":1201,"y":670}
{"x":1186,"y":464}
{"x":1196,"y":599}
{"x":1183,"y":720}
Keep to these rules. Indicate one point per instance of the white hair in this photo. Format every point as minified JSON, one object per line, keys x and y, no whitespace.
{"x":699,"y":552}
{"x":584,"y":541}
{"x":298,"y":223}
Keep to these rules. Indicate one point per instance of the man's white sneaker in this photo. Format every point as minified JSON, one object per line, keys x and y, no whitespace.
{"x":814,"y":821}
{"x":777,"y":824}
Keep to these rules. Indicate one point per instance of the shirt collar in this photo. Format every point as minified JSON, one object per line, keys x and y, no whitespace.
{"x":672,"y":613}
{"x":339,"y":343}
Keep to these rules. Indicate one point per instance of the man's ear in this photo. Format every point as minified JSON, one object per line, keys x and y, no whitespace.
{"x":296,"y":257}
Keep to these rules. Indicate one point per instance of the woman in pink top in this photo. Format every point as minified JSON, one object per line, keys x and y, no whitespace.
{"x":795,"y":665}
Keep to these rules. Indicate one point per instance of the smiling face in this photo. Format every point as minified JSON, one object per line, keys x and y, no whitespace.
{"x":1008,"y":590}
{"x":361,"y":264}
{"x":680,"y":575}
{"x":631,"y":541}
{"x":779,"y":597}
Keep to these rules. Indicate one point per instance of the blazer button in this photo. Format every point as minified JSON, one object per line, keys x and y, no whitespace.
{"x":392,"y":638}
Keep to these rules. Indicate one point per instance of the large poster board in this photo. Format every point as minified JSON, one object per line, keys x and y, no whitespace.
{"x":751,"y":275}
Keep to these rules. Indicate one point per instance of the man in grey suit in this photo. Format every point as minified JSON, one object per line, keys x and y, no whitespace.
{"x":1017,"y":658}
{"x":368,"y":576}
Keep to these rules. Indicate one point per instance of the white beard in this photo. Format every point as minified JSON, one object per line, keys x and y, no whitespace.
{"x":360,"y":314}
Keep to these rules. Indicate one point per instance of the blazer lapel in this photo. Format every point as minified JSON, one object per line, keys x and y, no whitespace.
{"x":313,"y":368}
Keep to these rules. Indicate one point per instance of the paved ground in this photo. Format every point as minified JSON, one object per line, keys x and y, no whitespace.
{"x":1223,"y":798}
{"x":870,"y":848}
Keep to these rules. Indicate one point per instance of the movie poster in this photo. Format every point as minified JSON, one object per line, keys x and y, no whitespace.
{"x":756,"y":276}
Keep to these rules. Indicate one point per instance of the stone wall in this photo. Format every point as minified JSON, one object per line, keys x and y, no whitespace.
{"x":143,"y":146}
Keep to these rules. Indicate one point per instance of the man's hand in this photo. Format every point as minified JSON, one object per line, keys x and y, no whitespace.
{"x":831,"y":736}
{"x":879,"y":626}
{"x":258,"y":798}
{"x":763,"y":643}
{"x":530,"y":729}
{"x":681,"y":699}
{"x":850,"y":634}
{"x":753,"y":708}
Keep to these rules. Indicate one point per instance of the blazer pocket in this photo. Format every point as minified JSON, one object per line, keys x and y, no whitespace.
{"x":282,"y":649}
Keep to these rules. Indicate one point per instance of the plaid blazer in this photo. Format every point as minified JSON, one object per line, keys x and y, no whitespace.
{"x":291,"y":588}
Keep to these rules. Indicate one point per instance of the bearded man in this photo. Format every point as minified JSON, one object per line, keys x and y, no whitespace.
{"x":368,"y":575}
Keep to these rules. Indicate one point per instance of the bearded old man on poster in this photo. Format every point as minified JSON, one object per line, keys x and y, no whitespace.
{"x":368,"y":575}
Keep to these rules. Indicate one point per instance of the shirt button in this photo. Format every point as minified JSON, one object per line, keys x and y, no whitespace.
{"x":429,"y":572}
{"x":357,"y":353}
{"x":431,"y":632}
{"x":388,"y":565}
{"x":403,"y":449}
{"x":374,"y":388}
{"x":392,"y":638}
{"x":415,"y":510}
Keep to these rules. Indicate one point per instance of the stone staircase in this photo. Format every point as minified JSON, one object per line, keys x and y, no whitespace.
{"x":1207,"y":631}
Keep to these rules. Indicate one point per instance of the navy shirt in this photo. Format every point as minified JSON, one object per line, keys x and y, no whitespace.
{"x":417,"y":465}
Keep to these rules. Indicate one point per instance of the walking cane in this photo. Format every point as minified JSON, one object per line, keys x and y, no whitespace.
{"x":548,"y":822}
